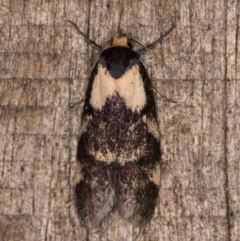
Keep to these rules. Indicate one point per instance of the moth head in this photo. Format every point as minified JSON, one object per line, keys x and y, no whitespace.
{"x":120,"y":39}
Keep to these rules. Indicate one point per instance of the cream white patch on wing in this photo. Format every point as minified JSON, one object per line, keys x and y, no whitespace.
{"x":84,"y":124}
{"x":106,"y":156}
{"x":129,"y":86}
{"x":134,"y":155}
{"x":78,"y":174}
{"x":104,"y":85}
{"x":153,"y":128}
{"x":155,"y":175}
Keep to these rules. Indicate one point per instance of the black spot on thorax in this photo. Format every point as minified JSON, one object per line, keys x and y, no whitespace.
{"x":118,"y":59}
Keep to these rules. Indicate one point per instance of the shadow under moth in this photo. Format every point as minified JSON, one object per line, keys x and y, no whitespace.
{"x":118,"y":155}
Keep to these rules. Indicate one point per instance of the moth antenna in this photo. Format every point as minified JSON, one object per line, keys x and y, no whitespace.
{"x":106,"y":44}
{"x":120,"y":19}
{"x":84,"y":35}
{"x":135,"y":41}
{"x":152,"y":45}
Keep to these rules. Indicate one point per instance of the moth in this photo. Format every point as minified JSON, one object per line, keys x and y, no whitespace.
{"x":118,"y":155}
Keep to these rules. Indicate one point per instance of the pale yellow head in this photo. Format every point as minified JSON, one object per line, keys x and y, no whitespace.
{"x":120,"y":40}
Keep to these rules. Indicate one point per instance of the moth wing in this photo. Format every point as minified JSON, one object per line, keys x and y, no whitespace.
{"x":94,"y":191}
{"x":139,"y":169}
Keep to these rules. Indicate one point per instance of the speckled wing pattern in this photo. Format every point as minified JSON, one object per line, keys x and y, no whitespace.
{"x":118,"y":155}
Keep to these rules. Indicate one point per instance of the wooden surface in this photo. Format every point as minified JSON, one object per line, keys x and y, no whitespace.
{"x":44,"y":68}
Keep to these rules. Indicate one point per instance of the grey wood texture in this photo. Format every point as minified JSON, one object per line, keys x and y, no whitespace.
{"x":44,"y":69}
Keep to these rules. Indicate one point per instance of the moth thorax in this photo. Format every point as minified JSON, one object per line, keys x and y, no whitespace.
{"x":119,"y":40}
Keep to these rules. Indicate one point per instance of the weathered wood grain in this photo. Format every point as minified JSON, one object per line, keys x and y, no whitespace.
{"x":44,"y":68}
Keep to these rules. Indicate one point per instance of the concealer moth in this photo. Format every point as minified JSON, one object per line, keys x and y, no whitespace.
{"x":118,"y":155}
